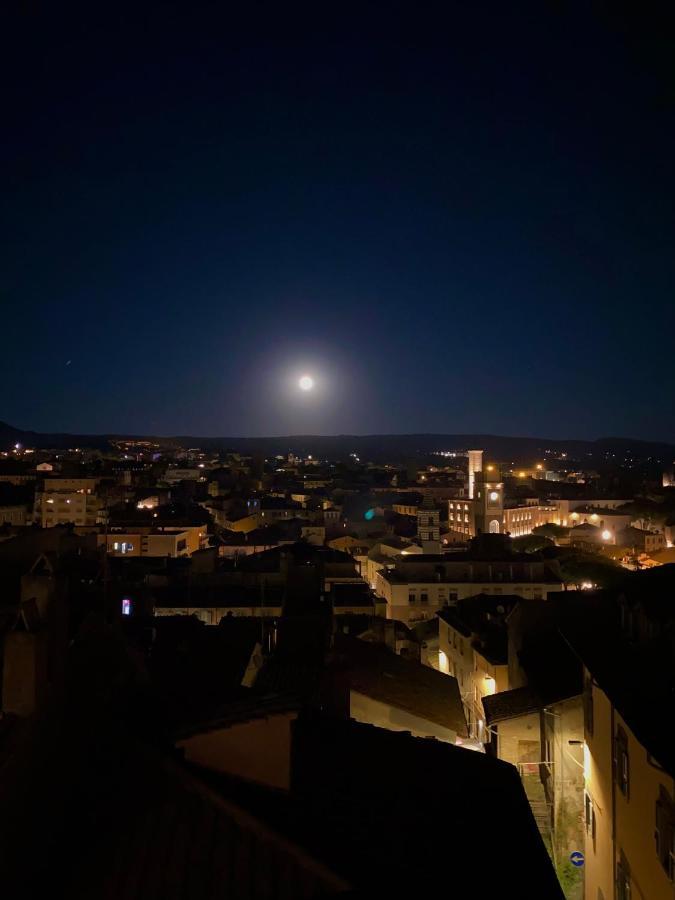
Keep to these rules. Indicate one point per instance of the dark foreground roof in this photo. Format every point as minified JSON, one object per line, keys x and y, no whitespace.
{"x":415,"y":815}
{"x":401,"y":816}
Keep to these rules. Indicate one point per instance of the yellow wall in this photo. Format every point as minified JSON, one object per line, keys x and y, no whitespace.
{"x":598,"y":781}
{"x":245,"y":524}
{"x":634,"y":819}
{"x":346,"y":542}
{"x":374,"y":712}
{"x":259,"y":750}
{"x":470,"y":668}
{"x":148,"y":543}
{"x":519,"y":741}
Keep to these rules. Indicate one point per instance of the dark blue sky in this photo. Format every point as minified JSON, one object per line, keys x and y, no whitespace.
{"x":456,"y":220}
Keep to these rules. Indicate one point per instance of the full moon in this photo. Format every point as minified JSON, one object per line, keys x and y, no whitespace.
{"x":306,"y":383}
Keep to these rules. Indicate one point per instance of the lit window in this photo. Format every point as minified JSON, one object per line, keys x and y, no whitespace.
{"x":126,"y":606}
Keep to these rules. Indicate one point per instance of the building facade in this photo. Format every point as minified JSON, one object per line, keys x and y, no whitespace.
{"x":429,"y":527}
{"x":630,"y":809}
{"x":178,"y":541}
{"x":68,"y":501}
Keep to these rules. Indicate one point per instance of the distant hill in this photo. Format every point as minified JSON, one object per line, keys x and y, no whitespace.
{"x":375,"y":447}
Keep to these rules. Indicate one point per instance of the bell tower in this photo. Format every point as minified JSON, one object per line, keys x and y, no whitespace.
{"x":429,"y":526}
{"x":489,"y":501}
{"x":474,"y":465}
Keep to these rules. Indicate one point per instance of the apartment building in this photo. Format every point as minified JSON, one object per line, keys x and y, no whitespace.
{"x":147,"y":541}
{"x":625,"y":642}
{"x":63,"y":501}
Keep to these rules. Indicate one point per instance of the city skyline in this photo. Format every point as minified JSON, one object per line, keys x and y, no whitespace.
{"x":337,"y":456}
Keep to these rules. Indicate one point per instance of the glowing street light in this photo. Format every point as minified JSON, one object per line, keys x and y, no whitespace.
{"x":306,"y":383}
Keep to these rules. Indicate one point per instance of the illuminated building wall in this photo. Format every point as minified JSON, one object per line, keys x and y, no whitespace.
{"x":476,"y":676}
{"x":520,"y":520}
{"x":13,"y":515}
{"x":624,"y":856}
{"x":66,"y":506}
{"x":176,"y":542}
{"x":475,"y":464}
{"x":489,"y":502}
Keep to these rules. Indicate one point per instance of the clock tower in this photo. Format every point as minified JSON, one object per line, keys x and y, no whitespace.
{"x":489,"y":501}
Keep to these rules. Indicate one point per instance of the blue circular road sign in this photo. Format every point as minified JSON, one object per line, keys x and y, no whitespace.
{"x":577,"y":858}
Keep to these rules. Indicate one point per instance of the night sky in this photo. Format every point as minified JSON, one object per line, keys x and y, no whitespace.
{"x":456,"y":221}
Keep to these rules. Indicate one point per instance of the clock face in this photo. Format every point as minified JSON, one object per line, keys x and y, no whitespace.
{"x":494,"y":496}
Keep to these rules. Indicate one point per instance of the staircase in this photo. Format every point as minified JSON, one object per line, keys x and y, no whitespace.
{"x":541,"y":809}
